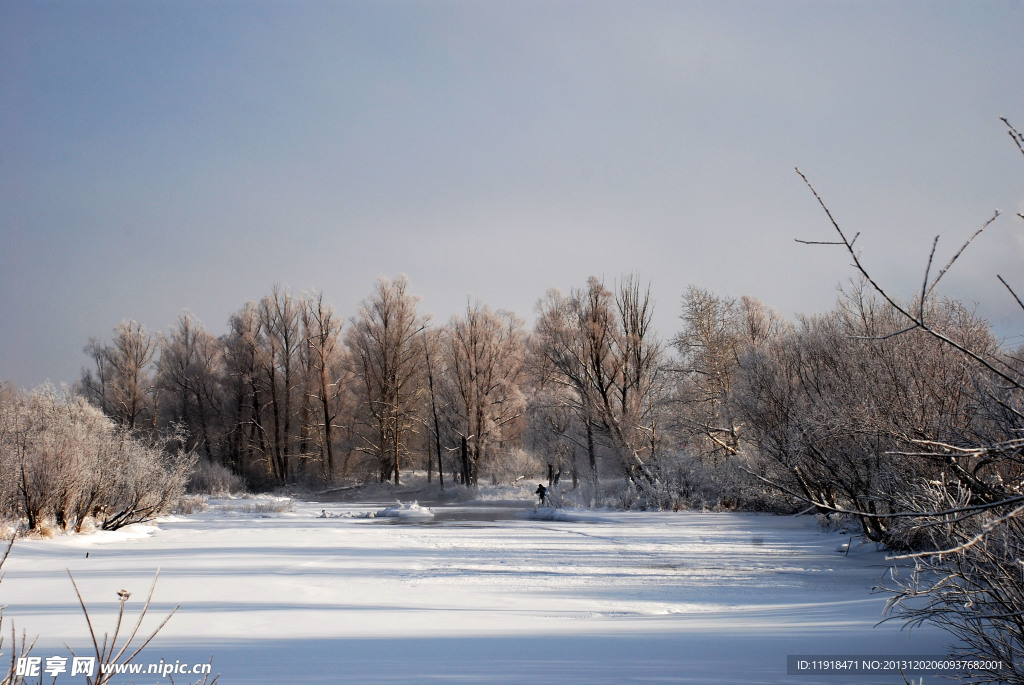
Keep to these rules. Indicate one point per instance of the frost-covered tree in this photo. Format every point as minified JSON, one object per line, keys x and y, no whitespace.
{"x":65,"y":462}
{"x":247,"y":444}
{"x":280,"y":343}
{"x":600,"y":347}
{"x":188,"y":378}
{"x":123,"y":384}
{"x":962,"y":518}
{"x":556,"y":432}
{"x":484,"y":354}
{"x":387,"y":362}
{"x":327,"y":380}
{"x":717,"y":332}
{"x":824,"y":404}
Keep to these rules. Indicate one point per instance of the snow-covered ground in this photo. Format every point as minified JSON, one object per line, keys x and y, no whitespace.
{"x":482,"y":592}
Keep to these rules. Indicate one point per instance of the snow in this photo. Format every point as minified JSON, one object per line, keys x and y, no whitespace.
{"x":565,"y":515}
{"x":407,"y":510}
{"x":479,"y":592}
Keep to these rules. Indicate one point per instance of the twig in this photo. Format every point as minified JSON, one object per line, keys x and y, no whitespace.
{"x":985,"y":530}
{"x":138,"y":624}
{"x":1003,"y":281}
{"x":8,"y":550}
{"x":105,"y":654}
{"x":924,"y":283}
{"x":963,"y":247}
{"x":1015,"y":135}
{"x":975,"y":508}
{"x":886,"y":336}
{"x":88,"y":619}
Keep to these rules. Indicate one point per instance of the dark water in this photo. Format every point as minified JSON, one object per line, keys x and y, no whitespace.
{"x":446,"y":510}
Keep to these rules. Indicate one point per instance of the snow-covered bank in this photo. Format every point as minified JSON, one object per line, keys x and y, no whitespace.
{"x":290,"y":596}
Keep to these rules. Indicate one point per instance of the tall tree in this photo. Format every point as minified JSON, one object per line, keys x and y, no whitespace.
{"x":123,"y":385}
{"x":600,"y":345}
{"x":484,"y":354}
{"x":322,"y":328}
{"x":281,"y":341}
{"x":431,"y":348}
{"x":187,"y":376}
{"x":247,"y":438}
{"x":387,"y":359}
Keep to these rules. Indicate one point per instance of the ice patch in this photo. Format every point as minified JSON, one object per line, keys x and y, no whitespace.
{"x":642,"y":597}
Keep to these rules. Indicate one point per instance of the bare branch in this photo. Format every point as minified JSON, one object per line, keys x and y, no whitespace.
{"x":848,"y":244}
{"x":888,"y":335}
{"x":958,"y":253}
{"x":1014,"y":382}
{"x":8,"y":550}
{"x":1003,"y":281}
{"x":1015,"y":135}
{"x":924,"y":282}
{"x":975,"y":508}
{"x":985,"y":530}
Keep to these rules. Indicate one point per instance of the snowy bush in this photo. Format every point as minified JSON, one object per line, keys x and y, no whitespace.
{"x":931,"y":415}
{"x":214,"y":479}
{"x":65,"y":462}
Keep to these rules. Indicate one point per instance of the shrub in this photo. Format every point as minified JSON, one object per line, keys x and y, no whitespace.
{"x":63,"y":462}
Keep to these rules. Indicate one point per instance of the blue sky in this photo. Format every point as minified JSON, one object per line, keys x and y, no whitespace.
{"x":161,"y":156}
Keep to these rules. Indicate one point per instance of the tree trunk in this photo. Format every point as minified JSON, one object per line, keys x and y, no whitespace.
{"x":591,"y":454}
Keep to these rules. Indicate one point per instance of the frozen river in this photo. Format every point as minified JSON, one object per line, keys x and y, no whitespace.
{"x":320,"y":593}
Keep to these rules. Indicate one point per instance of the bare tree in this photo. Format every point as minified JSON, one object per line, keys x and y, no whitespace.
{"x":188,"y":378}
{"x":716,"y":333}
{"x":556,"y":432}
{"x":560,"y":344}
{"x":825,"y":403}
{"x":281,"y":342}
{"x":324,"y":360}
{"x":964,"y":527}
{"x":599,"y":345}
{"x":484,"y":355}
{"x":432,"y":348}
{"x":387,"y":360}
{"x":246,"y":436}
{"x":123,"y":385}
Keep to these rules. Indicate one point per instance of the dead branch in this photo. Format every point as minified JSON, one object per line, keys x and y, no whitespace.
{"x":917,"y":320}
{"x":985,"y":530}
{"x":974,"y":509}
{"x":1003,"y":281}
{"x":956,"y":256}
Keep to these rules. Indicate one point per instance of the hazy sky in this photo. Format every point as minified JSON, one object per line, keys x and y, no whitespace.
{"x":160,"y":156}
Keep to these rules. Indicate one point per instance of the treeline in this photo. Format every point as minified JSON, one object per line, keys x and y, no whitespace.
{"x":741,"y":408}
{"x":906,"y":419}
{"x":293,"y":392}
